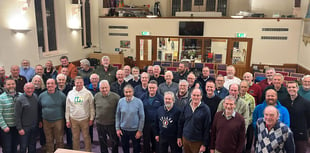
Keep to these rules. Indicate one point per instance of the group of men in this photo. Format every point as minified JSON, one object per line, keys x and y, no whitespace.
{"x":176,"y":109}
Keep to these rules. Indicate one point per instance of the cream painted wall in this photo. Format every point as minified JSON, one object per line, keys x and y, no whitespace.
{"x":284,"y":7}
{"x":14,"y":49}
{"x":237,"y":6}
{"x":304,"y":51}
{"x":263,"y":51}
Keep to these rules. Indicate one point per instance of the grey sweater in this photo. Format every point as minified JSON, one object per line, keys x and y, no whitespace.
{"x":26,"y":111}
{"x":105,"y":107}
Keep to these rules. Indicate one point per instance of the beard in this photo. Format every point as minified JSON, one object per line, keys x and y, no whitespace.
{"x":168,"y":105}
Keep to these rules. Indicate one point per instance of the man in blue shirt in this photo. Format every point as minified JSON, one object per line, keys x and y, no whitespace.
{"x":129,"y":120}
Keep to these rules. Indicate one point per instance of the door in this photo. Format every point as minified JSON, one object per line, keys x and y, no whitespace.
{"x":145,"y":51}
{"x":239,"y":54}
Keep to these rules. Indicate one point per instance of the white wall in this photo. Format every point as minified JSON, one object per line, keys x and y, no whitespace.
{"x":263,"y":51}
{"x":284,"y":7}
{"x":304,"y":51}
{"x":14,"y":49}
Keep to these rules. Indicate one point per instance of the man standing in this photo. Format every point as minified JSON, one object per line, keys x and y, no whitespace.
{"x":182,"y":96}
{"x":25,"y":70}
{"x":85,"y":71}
{"x":119,"y":84}
{"x":230,"y":78}
{"x":269,"y":72}
{"x":93,"y":87}
{"x":141,"y":89}
{"x":127,"y":73}
{"x":135,"y":77}
{"x":304,"y":89}
{"x":106,"y":71}
{"x":156,"y":75}
{"x":204,"y":77}
{"x":242,"y":107}
{"x":53,"y":103}
{"x":167,"y":125}
{"x":152,"y":100}
{"x":2,"y":76}
{"x":194,"y":125}
{"x":72,"y":70}
{"x":106,"y":104}
{"x":254,"y":88}
{"x":299,"y":109}
{"x":168,"y":85}
{"x":271,"y":99}
{"x":182,"y":72}
{"x":277,"y":85}
{"x":80,"y":113}
{"x":211,"y":99}
{"x":19,"y":79}
{"x":244,"y":95}
{"x":129,"y":120}
{"x":26,"y":117}
{"x":192,"y":82}
{"x":220,"y":90}
{"x":273,"y":135}
{"x":9,"y":133}
{"x":228,"y":129}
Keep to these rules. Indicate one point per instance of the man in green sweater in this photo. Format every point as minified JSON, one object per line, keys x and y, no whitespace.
{"x":52,"y":103}
{"x":105,"y":106}
{"x":9,"y":133}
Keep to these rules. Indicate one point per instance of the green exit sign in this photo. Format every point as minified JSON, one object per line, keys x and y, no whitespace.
{"x":241,"y":35}
{"x":145,"y":33}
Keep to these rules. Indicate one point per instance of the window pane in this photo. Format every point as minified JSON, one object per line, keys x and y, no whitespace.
{"x":210,"y":5}
{"x":50,"y":18}
{"x":176,"y":6}
{"x":87,"y":24}
{"x":187,"y":5}
{"x":222,"y":5}
{"x":39,"y":24}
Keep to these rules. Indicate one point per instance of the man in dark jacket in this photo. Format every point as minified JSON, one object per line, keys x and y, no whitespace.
{"x":152,"y":100}
{"x":299,"y":110}
{"x":167,"y":125}
{"x":106,"y":71}
{"x":194,"y":125}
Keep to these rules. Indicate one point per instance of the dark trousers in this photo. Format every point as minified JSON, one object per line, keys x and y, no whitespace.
{"x":149,"y":138}
{"x":301,"y":146}
{"x":28,"y":140}
{"x":130,"y":135}
{"x":165,"y":142}
{"x":9,"y":140}
{"x":249,"y":138}
{"x":103,"y":132}
{"x":42,"y":137}
{"x":91,"y":133}
{"x":68,"y":136}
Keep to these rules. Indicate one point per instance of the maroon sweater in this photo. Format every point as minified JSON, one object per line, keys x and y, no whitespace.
{"x":256,"y":91}
{"x":228,"y":136}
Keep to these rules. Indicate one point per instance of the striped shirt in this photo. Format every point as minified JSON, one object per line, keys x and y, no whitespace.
{"x":7,"y":117}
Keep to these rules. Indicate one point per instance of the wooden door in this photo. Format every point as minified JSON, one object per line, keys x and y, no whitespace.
{"x":145,"y":53}
{"x":239,"y":54}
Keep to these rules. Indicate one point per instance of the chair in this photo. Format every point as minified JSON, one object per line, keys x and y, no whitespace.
{"x":290,"y":78}
{"x":221,"y":72}
{"x":221,"y":66}
{"x":290,"y":70}
{"x":156,"y":62}
{"x":212,"y":71}
{"x":166,"y":64}
{"x":198,"y":66}
{"x":298,"y":75}
{"x":210,"y":65}
{"x":118,"y":66}
{"x":258,"y":76}
{"x":278,"y":69}
{"x":175,"y":64}
{"x":212,"y":75}
{"x":173,"y":69}
{"x":283,"y":73}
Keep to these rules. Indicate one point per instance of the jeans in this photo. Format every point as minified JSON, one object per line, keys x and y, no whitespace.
{"x":68,"y":136}
{"x":9,"y":140}
{"x":130,"y":135}
{"x":149,"y":138}
{"x":77,"y":127}
{"x":28,"y":140}
{"x":103,"y":132}
{"x":165,"y":142}
{"x":54,"y":131}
